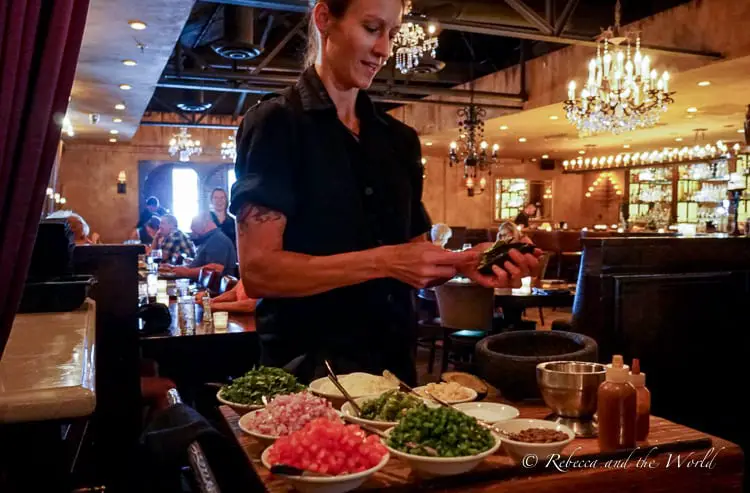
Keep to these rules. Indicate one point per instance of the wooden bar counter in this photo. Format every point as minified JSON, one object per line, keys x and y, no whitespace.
{"x":651,"y":467}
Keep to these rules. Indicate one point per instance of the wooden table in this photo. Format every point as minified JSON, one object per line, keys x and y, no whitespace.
{"x":656,"y":472}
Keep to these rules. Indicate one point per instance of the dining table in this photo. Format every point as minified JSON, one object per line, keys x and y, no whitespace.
{"x":717,"y":465}
{"x":203,"y":354}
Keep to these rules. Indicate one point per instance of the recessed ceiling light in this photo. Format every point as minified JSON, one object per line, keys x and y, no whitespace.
{"x":533,"y":160}
{"x":704,"y":83}
{"x":554,"y":117}
{"x":545,"y":156}
{"x":126,"y":87}
{"x":678,"y":139}
{"x":119,"y":106}
{"x":129,"y":63}
{"x":692,"y":109}
{"x":137,"y":25}
{"x":114,"y":132}
{"x":428,"y":143}
{"x":503,"y":127}
{"x":581,"y":152}
{"x":522,"y":139}
{"x":117,"y":120}
{"x":113,"y":140}
{"x":626,"y":146}
{"x":740,"y":130}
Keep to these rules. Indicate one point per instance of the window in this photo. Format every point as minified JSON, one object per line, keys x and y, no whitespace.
{"x":184,"y":196}
{"x":231,"y":178}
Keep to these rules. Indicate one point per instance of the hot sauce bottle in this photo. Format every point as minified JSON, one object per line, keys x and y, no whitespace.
{"x":643,"y":401}
{"x":616,"y":408}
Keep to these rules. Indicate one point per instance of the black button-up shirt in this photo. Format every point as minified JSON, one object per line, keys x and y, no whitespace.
{"x":340,"y":193}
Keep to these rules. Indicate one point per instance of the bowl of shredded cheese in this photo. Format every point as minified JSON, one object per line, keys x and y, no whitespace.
{"x":356,"y":384}
{"x":450,"y":392}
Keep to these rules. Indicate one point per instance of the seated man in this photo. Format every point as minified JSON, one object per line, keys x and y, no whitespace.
{"x":78,"y":226}
{"x":235,"y":300}
{"x":215,"y":250}
{"x":173,"y":242}
{"x":146,"y":233}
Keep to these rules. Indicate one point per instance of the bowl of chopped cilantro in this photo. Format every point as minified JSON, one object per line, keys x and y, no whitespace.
{"x":385,"y":410}
{"x":246,"y":393}
{"x":441,"y":441}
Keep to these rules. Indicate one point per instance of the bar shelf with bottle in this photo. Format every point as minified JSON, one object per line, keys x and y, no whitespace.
{"x":649,"y":191}
{"x":702,"y":192}
{"x":743,"y":167}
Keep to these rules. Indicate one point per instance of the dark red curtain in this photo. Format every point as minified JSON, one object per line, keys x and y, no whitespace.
{"x":39,"y":45}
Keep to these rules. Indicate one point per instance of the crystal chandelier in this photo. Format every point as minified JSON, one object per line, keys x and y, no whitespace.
{"x":471,"y":148}
{"x":411,"y":43}
{"x":623,"y":93}
{"x":183,"y":145}
{"x":229,"y":149}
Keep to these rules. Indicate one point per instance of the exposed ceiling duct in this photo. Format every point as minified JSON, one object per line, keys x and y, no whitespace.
{"x":238,"y":43}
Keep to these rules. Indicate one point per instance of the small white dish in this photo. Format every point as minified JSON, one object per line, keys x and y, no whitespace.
{"x":471,"y":395}
{"x":243,"y":423}
{"x":328,"y":484}
{"x":518,"y":450}
{"x":444,"y":466}
{"x":490,"y":412}
{"x":336,"y":398}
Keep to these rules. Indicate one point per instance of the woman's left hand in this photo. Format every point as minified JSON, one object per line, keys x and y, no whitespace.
{"x":521,"y":265}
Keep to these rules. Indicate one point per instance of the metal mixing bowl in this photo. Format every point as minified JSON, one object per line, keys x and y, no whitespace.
{"x":570,"y":388}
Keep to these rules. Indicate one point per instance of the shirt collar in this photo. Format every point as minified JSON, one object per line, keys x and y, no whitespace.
{"x":314,"y":97}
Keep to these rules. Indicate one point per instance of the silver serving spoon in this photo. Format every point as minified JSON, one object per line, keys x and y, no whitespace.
{"x":333,"y":378}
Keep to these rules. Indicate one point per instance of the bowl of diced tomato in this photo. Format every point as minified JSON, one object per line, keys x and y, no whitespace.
{"x":335,"y":456}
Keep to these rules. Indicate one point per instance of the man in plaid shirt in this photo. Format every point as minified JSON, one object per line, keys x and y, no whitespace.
{"x":172,"y":241}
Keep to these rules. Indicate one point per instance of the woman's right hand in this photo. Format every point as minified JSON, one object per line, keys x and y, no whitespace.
{"x":421,"y":264}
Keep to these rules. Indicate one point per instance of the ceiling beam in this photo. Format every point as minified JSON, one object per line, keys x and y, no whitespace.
{"x":377,"y":96}
{"x":277,"y":49}
{"x":567,"y":13}
{"x":530,"y":15}
{"x":482,"y":28}
{"x":410,"y":89}
{"x":519,"y":33}
{"x":285,"y":5}
{"x":214,"y":126}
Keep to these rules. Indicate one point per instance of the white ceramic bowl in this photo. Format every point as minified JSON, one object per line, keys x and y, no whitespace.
{"x":244,"y":426}
{"x":518,"y":450}
{"x":444,"y":466}
{"x":491,"y":412}
{"x":471,"y":395}
{"x":237,"y":407}
{"x":348,"y":410}
{"x":328,"y":484}
{"x":338,"y":400}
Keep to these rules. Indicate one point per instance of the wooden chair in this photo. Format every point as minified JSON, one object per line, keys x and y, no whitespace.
{"x":209,"y":280}
{"x":466,"y":315}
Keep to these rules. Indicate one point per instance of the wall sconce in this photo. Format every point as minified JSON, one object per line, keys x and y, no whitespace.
{"x":122,"y":182}
{"x":470,"y":186}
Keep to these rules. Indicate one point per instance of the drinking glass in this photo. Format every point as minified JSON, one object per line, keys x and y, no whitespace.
{"x":186,"y":315}
{"x":183,"y":286}
{"x":221,"y":320}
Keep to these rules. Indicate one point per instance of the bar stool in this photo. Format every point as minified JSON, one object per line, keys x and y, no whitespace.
{"x":466,"y":314}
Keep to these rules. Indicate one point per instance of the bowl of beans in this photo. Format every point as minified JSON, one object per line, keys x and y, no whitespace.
{"x":537,"y":437}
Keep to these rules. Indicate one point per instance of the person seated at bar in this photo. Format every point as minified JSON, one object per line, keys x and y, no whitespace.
{"x":78,"y":226}
{"x":235,"y":300}
{"x":522,"y":219}
{"x":173,"y":242}
{"x":220,"y":216}
{"x":440,"y":234}
{"x":146,"y":233}
{"x":152,"y":209}
{"x":214,"y":250}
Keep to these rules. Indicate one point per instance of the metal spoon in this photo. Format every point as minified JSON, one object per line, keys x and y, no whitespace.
{"x":333,"y":378}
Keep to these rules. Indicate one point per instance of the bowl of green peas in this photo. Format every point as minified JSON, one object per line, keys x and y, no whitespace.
{"x":441,"y":441}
